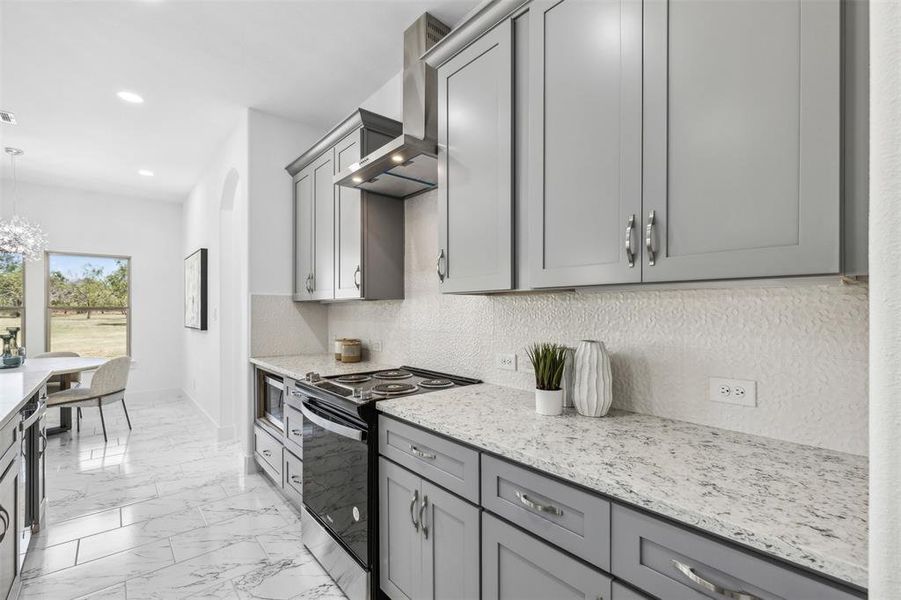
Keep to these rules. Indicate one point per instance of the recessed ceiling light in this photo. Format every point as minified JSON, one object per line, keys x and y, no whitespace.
{"x":130,"y":97}
{"x":145,"y":173}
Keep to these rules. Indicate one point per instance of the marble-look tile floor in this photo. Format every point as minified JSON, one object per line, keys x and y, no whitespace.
{"x":164,"y":512}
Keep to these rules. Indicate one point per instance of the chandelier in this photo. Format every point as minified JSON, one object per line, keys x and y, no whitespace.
{"x":18,"y":235}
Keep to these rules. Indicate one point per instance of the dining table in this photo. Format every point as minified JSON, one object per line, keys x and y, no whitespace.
{"x":65,"y":368}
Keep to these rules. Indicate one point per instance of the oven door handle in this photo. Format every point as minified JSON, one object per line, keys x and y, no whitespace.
{"x":342,"y":430}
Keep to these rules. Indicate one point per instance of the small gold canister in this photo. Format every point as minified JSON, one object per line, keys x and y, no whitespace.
{"x":351,"y":351}
{"x":339,"y":348}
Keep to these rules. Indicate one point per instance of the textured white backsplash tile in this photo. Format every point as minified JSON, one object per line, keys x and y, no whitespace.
{"x":280,"y":326}
{"x":806,"y":346}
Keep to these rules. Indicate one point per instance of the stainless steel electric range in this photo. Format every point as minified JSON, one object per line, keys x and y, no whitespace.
{"x":340,"y":466}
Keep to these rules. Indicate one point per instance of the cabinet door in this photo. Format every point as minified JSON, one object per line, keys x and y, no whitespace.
{"x":475,"y":142}
{"x":348,"y":217}
{"x":585,"y":147}
{"x":516,"y":566}
{"x":450,"y":546}
{"x":9,"y":521}
{"x":323,"y":172}
{"x":303,"y":235}
{"x":741,"y":138}
{"x":399,"y":540}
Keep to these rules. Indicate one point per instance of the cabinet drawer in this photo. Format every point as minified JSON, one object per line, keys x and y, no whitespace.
{"x":292,"y":473}
{"x":450,"y":465}
{"x":268,"y":451}
{"x":293,"y":421}
{"x":664,"y":559}
{"x":568,"y":517}
{"x":517,"y":566}
{"x":621,"y":592}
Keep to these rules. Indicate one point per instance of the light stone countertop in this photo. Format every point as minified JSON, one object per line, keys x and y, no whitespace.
{"x":298,"y":365}
{"x":16,"y":388}
{"x":805,"y":505}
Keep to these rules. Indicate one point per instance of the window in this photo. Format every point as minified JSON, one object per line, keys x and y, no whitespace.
{"x":12,"y":294}
{"x":88,"y":304}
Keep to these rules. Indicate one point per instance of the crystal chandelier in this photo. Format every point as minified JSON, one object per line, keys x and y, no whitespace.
{"x":18,"y":235}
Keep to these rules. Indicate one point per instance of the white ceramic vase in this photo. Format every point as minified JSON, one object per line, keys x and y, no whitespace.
{"x":549,"y":402}
{"x":567,"y":382}
{"x":592,"y":379}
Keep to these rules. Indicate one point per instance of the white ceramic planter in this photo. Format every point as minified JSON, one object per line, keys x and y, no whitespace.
{"x":549,"y":402}
{"x":592,"y":379}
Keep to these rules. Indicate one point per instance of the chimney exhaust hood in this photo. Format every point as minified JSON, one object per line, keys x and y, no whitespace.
{"x":408,"y":164}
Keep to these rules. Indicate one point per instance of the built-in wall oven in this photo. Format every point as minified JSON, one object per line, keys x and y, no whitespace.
{"x":271,"y":398}
{"x":340,"y":467}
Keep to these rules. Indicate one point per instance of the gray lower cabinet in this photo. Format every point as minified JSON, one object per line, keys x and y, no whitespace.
{"x":585,"y":142}
{"x":10,"y":506}
{"x":621,"y":592}
{"x":516,"y":566}
{"x":267,"y":450}
{"x":348,"y":244}
{"x":742,"y":118}
{"x":428,"y":539}
{"x":674,"y":563}
{"x":475,"y":147}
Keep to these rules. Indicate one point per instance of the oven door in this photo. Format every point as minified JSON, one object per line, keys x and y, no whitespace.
{"x":335,"y":474}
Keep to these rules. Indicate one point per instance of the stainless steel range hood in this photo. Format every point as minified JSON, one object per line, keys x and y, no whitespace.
{"x":408,"y":164}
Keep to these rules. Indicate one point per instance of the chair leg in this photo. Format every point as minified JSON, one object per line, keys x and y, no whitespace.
{"x":102,"y":422}
{"x":78,"y":419}
{"x":127,"y":420}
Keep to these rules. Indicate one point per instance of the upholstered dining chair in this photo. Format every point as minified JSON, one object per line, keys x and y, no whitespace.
{"x":107,"y":386}
{"x":55,"y":383}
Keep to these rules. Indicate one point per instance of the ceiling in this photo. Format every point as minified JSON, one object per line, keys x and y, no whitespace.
{"x":197,"y":64}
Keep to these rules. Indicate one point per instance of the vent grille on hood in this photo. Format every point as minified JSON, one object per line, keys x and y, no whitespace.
{"x":7,"y":117}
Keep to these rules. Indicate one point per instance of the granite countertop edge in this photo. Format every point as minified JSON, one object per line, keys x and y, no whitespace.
{"x":778,"y":543}
{"x":10,"y":406}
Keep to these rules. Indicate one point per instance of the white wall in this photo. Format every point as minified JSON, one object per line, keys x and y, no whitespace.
{"x":215,"y":217}
{"x":146,"y":230}
{"x":885,"y":305}
{"x":388,"y":99}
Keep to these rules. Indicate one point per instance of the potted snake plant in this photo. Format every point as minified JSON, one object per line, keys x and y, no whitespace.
{"x":548,"y":361}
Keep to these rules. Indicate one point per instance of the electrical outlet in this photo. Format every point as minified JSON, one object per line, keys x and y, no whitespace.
{"x":526,"y":364}
{"x":506,"y":362}
{"x":733,"y":391}
{"x":376,"y":346}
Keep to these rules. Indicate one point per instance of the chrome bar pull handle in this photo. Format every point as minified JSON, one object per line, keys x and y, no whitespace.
{"x":630,"y":252}
{"x":545,"y":508}
{"x":649,"y":238}
{"x":356,"y":278}
{"x":413,"y":509}
{"x":425,"y":528}
{"x":441,"y":274}
{"x":4,"y":516}
{"x":417,"y":452}
{"x":696,"y":579}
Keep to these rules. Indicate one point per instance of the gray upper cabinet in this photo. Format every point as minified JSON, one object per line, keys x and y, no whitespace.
{"x":516,"y":566}
{"x":741,"y":139}
{"x":475,"y":146}
{"x":323,"y":287}
{"x":348,"y":222}
{"x":347,"y":244}
{"x":585,"y":142}
{"x":303,"y":235}
{"x":428,"y":539}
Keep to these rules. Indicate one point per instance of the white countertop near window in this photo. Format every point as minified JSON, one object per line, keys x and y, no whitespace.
{"x":17,"y":386}
{"x":298,"y":365}
{"x":805,"y":505}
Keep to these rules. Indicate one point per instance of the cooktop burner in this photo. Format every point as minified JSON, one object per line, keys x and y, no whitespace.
{"x":354,"y":378}
{"x":394,"y":389}
{"x":393,"y":374}
{"x":436,"y":384}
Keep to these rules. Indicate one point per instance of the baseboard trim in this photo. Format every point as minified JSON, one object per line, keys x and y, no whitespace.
{"x":203,"y":411}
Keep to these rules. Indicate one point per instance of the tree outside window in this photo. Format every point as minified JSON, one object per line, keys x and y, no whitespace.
{"x":12,"y":294}
{"x":88,"y":304}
